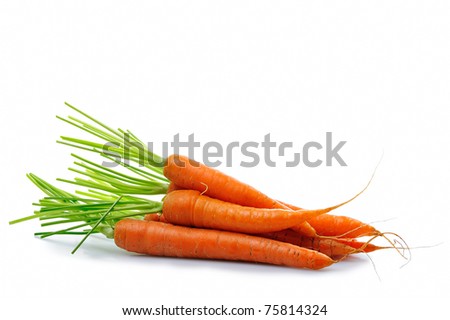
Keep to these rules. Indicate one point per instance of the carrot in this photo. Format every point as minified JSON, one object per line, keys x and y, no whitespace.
{"x":155,"y":217}
{"x":360,"y":246}
{"x":227,"y":204}
{"x":173,"y":187}
{"x":341,"y":226}
{"x":186,"y":173}
{"x":331,"y":247}
{"x":334,"y":226}
{"x":103,"y":213}
{"x":190,"y":208}
{"x":291,"y":206}
{"x":163,"y":239}
{"x":182,"y":172}
{"x":306,"y":229}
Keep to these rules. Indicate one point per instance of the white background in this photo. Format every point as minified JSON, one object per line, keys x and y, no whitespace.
{"x":375,"y":73}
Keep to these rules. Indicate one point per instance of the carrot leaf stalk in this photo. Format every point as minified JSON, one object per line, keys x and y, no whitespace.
{"x":106,"y":179}
{"x":96,"y":225}
{"x":119,"y":144}
{"x":85,"y":212}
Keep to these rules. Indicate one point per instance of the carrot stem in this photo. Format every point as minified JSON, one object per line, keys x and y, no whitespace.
{"x":124,"y":140}
{"x":96,"y":224}
{"x":61,"y":207}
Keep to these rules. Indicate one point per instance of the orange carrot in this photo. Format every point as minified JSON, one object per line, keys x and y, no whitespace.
{"x":334,"y":226}
{"x":331,"y":247}
{"x":155,"y":217}
{"x":172,"y":187}
{"x":291,"y":206}
{"x":341,"y":226}
{"x":190,"y":208}
{"x":305,"y":227}
{"x":186,"y":173}
{"x":163,"y":239}
{"x":360,"y":246}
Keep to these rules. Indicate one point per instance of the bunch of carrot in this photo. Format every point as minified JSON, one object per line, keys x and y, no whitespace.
{"x":204,"y":214}
{"x":207,"y":214}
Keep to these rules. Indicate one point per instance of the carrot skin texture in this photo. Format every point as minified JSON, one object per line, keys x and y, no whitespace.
{"x":304,"y":228}
{"x":173,"y":187}
{"x":360,"y":246}
{"x":154,"y":217}
{"x":332,"y":247}
{"x":163,"y":239}
{"x":328,"y":246}
{"x":333,"y":226}
{"x":192,"y":175}
{"x":185,"y":173}
{"x":192,"y":209}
